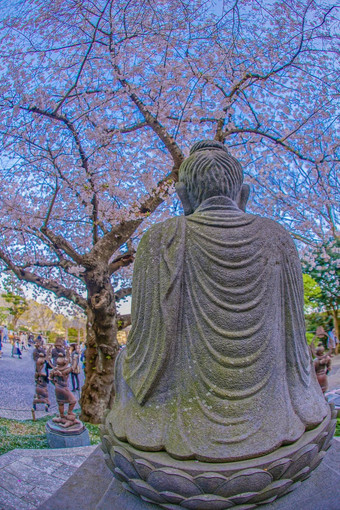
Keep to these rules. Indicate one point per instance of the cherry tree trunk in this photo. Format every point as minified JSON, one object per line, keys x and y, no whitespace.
{"x":101,"y":347}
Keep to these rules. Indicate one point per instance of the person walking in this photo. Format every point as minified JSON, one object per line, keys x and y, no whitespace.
{"x":75,"y":363}
{"x":333,"y":342}
{"x":16,"y":351}
{"x":4,"y":334}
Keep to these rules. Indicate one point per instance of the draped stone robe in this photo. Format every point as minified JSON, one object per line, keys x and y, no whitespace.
{"x":216,"y":366}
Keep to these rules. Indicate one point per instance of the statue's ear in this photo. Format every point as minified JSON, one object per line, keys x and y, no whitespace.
{"x":184,"y":198}
{"x":243,"y":196}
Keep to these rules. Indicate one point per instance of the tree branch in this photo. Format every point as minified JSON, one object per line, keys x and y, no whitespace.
{"x":83,"y":62}
{"x":59,"y":290}
{"x":122,"y":232}
{"x":122,"y":261}
{"x":59,"y":243}
{"x":123,"y":293}
{"x":83,"y":158}
{"x":151,"y":120}
{"x":273,"y":138}
{"x":51,"y":205}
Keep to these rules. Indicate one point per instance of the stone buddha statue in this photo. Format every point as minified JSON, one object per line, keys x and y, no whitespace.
{"x":216,"y":367}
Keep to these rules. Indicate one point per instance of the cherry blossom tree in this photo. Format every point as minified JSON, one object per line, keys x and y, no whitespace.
{"x":323,"y":267}
{"x":99,"y":104}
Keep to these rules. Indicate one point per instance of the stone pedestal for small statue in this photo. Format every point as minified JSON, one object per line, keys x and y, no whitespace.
{"x":61,"y":437}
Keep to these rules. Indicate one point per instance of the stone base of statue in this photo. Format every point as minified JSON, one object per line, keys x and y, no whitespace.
{"x":158,"y":478}
{"x":61,"y":437}
{"x":333,"y":397}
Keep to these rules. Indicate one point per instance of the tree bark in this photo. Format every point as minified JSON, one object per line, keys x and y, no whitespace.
{"x":101,"y":346}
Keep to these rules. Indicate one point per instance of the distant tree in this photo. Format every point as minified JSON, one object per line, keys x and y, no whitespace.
{"x":38,"y":317}
{"x":3,"y":314}
{"x":324,"y":268}
{"x":99,"y":104}
{"x":312,"y":293}
{"x":15,"y":297}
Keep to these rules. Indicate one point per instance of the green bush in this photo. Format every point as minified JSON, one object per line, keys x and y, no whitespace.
{"x":337,"y":430}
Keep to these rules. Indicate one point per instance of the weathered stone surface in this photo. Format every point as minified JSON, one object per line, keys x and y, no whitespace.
{"x":209,"y":482}
{"x":168,"y":479}
{"x":248,"y":481}
{"x":106,"y":446}
{"x":169,"y":506}
{"x":279,"y":467}
{"x":317,"y":459}
{"x":217,"y":374}
{"x":301,"y":475}
{"x":172,"y":497}
{"x":243,"y":498}
{"x":122,"y":477}
{"x":144,"y":489}
{"x":237,"y":483}
{"x":275,"y":489}
{"x":109,"y":462}
{"x":143,"y":467}
{"x":125,"y":462}
{"x":302,"y":459}
{"x":212,"y":280}
{"x":330,"y":435}
{"x":207,"y":502}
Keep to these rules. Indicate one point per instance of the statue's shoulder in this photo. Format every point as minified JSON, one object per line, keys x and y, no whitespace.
{"x":160,"y":230}
{"x":164,"y":226}
{"x":273,"y":226}
{"x":276,"y":233}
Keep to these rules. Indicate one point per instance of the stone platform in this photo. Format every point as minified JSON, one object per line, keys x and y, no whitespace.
{"x":158,"y":478}
{"x":92,"y":487}
{"x":30,"y":477}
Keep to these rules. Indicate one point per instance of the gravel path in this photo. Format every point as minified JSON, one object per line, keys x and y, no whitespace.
{"x":17,"y":386}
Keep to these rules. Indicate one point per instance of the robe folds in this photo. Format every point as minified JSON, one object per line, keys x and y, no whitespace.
{"x":216,"y":366}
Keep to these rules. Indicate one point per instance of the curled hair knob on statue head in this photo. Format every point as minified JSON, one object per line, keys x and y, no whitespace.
{"x":210,"y":171}
{"x":207,"y":145}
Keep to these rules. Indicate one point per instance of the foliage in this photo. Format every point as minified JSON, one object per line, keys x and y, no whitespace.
{"x":31,"y":434}
{"x":325,"y":270}
{"x":15,"y":298}
{"x":315,"y":319}
{"x":311,"y":292}
{"x":40,"y":318}
{"x":337,"y":429}
{"x":3,"y":314}
{"x":100,"y":104}
{"x":94,"y":433}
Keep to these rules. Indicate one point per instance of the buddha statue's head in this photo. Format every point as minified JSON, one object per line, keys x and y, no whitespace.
{"x":210,"y":171}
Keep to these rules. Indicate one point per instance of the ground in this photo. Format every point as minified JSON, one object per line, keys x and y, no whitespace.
{"x":17,"y":386}
{"x":31,"y":473}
